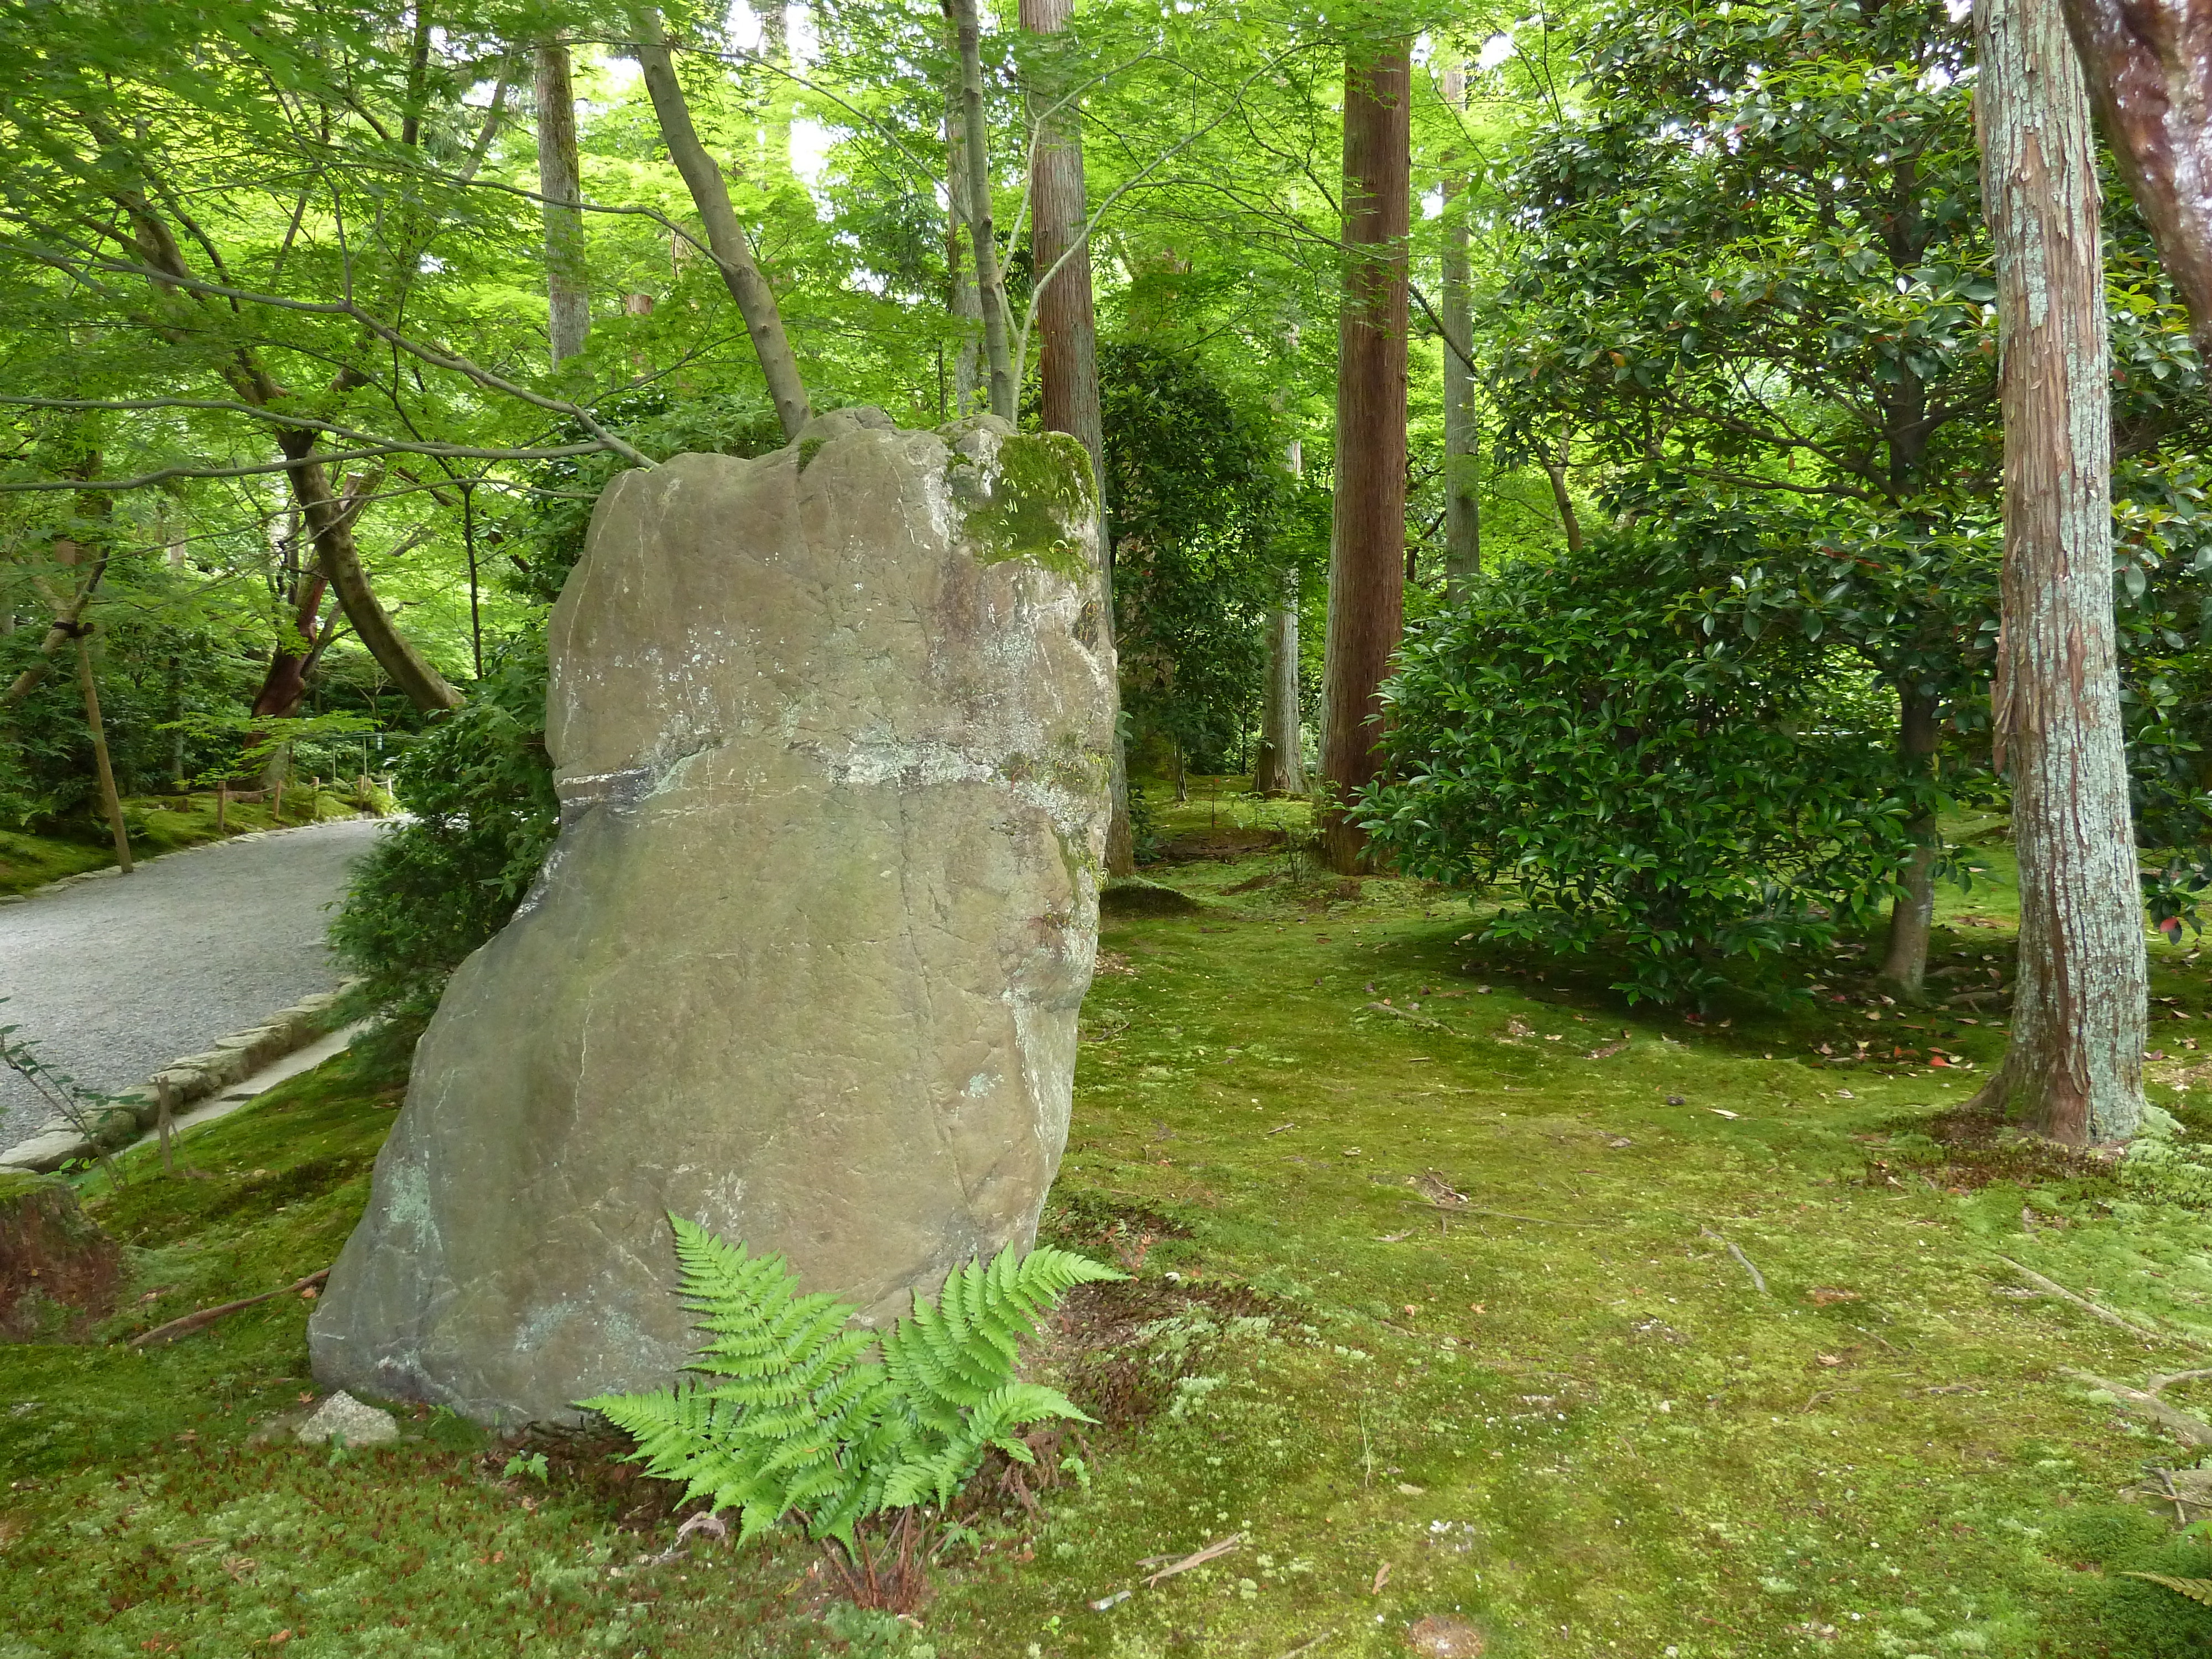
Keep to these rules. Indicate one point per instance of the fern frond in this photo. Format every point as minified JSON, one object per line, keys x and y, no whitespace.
{"x":788,"y":1414}
{"x":2197,"y":1590}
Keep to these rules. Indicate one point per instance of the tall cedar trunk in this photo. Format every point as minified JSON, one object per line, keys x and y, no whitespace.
{"x":983,"y":235}
{"x":560,"y":181}
{"x":725,"y":237}
{"x":2146,"y":61}
{"x":286,"y":681}
{"x":772,"y":137}
{"x":1281,"y":768}
{"x":1067,"y":356}
{"x":1904,"y":960}
{"x":1462,"y":500}
{"x":109,"y":799}
{"x":329,"y":526}
{"x":2073,"y":1071}
{"x":1367,"y":552}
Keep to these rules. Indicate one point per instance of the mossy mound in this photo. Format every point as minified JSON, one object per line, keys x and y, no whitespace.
{"x":1135,"y":896}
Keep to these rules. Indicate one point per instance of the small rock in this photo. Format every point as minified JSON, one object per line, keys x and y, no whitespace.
{"x":345,"y":1419}
{"x":1439,"y":1637}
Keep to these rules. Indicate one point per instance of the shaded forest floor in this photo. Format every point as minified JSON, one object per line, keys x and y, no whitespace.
{"x":156,"y":824}
{"x":1445,"y":1309}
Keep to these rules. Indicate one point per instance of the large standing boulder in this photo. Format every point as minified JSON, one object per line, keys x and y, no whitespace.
{"x":831,"y":730}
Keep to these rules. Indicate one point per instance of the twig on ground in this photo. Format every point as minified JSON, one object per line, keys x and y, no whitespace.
{"x":1502,"y":1215}
{"x":1421,"y":1020}
{"x":1757,"y":1278}
{"x":1199,"y":1558}
{"x":2083,"y":1302}
{"x":193,"y":1322}
{"x":2183,"y":1425}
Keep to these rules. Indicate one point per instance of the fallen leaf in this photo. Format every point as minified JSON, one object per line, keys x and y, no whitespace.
{"x":1827,"y":1360}
{"x":1823,"y":1296}
{"x":1717,"y":1112}
{"x":1439,"y":1637}
{"x":1381,"y":1578}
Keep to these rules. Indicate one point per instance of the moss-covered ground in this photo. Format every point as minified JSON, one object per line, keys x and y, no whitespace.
{"x":1444,"y":1308}
{"x":156,"y":824}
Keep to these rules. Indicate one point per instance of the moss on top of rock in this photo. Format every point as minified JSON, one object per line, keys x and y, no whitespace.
{"x":1030,"y":501}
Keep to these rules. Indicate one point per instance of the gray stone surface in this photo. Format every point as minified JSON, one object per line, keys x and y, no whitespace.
{"x":342,"y":1417}
{"x":831,"y":729}
{"x":113,"y":979}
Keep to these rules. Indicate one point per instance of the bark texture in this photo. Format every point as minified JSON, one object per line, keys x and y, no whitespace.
{"x":983,"y":235}
{"x":2074,"y":1068}
{"x":1462,"y":503}
{"x":1367,"y":553}
{"x":2150,"y":67}
{"x":560,"y":181}
{"x":726,"y":238}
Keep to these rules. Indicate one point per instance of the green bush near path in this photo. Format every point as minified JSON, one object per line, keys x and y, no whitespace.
{"x":1428,"y":1278}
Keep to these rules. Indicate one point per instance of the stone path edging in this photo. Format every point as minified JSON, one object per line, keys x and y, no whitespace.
{"x":232,"y":1060}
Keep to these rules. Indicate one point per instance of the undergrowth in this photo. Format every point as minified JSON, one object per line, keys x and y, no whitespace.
{"x":1442,"y":1306}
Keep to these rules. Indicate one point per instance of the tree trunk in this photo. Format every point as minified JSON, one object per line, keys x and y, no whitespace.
{"x":330,"y":523}
{"x":560,"y":181}
{"x":1367,"y":553}
{"x":1462,"y":499}
{"x":69,"y":612}
{"x":110,"y":801}
{"x":725,"y":237}
{"x":998,"y":348}
{"x":1570,"y":520}
{"x":1281,"y":770}
{"x":962,"y":302}
{"x":1904,"y":961}
{"x":1068,"y":355}
{"x":2073,"y":1070}
{"x":2146,"y":63}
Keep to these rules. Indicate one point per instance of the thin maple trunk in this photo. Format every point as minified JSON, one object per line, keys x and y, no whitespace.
{"x":69,"y":613}
{"x":997,"y":347}
{"x":110,"y":801}
{"x":1367,"y":554}
{"x":560,"y":181}
{"x":1462,"y":503}
{"x":1905,"y":958}
{"x":725,"y":237}
{"x":2073,"y":1070}
{"x":1570,"y":520}
{"x":1067,"y":354}
{"x":329,"y":526}
{"x":963,"y":302}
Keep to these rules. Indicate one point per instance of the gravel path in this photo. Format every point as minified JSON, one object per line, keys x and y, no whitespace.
{"x":113,"y":979}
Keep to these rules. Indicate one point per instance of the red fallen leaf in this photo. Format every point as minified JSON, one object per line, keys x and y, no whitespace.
{"x":1937,"y":1060}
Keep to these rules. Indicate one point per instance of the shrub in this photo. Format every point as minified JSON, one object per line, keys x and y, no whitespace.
{"x":1689,"y":796}
{"x":479,"y":785}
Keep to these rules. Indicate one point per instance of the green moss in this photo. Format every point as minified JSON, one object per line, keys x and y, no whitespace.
{"x":808,"y":449}
{"x":1031,"y":504}
{"x":1562,"y":1411}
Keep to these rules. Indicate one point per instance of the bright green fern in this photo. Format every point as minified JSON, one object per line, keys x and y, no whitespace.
{"x":791,"y":1418}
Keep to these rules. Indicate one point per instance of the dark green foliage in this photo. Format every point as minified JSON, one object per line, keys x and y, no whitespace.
{"x":798,"y":1421}
{"x":1194,"y":494}
{"x":1574,"y":731}
{"x":480,"y":787}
